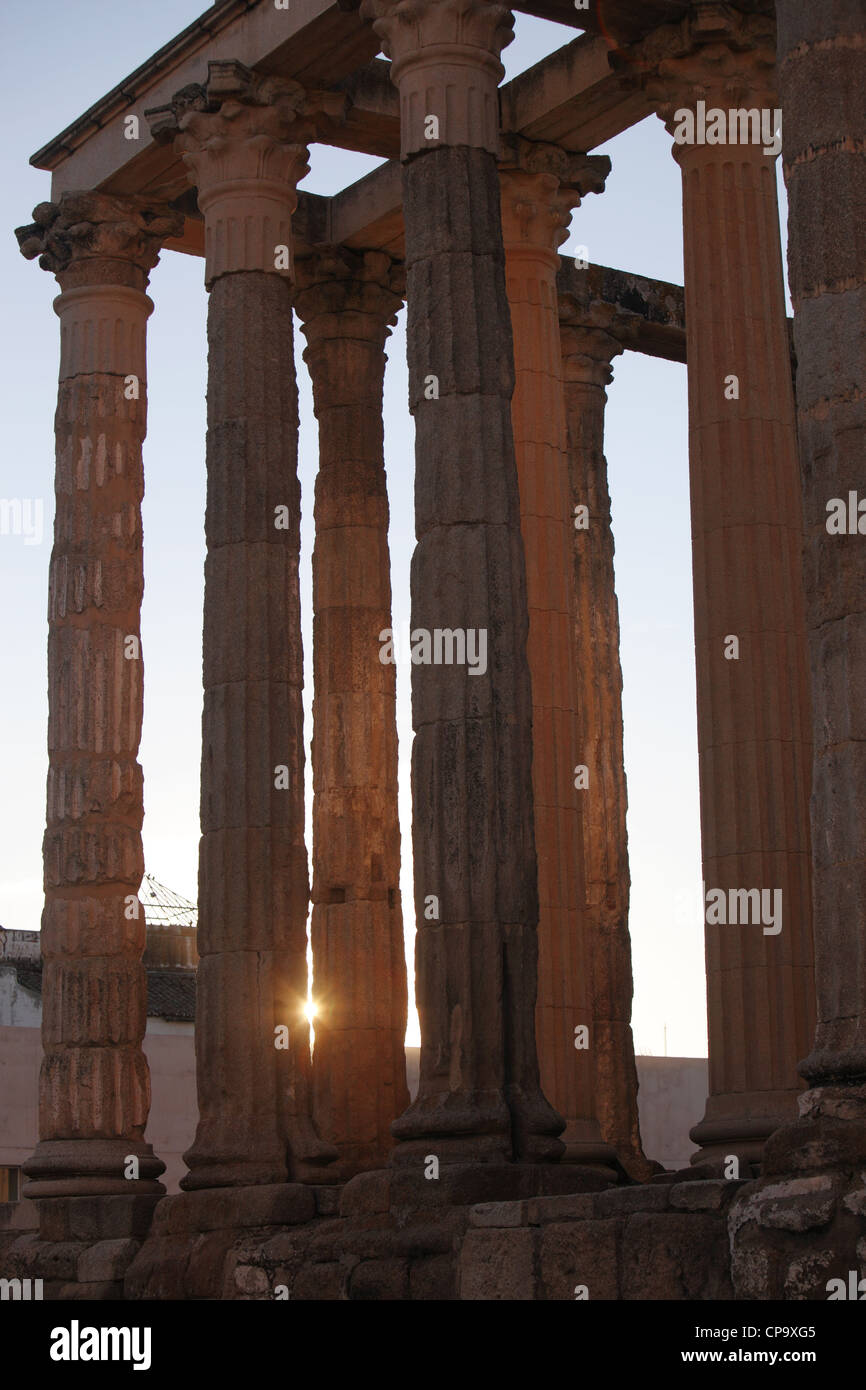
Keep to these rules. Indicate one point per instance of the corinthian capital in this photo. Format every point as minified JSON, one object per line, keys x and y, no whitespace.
{"x":717,"y":55}
{"x":94,"y":238}
{"x":445,"y":61}
{"x":541,"y":185}
{"x":243,"y":139}
{"x":341,"y":293}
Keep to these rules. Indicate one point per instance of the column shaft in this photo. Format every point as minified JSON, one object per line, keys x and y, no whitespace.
{"x":474,"y":854}
{"x":587,"y":352}
{"x":535,"y":208}
{"x":346,"y":304}
{"x":754,"y":719}
{"x":94,"y":1083}
{"x":245,"y":150}
{"x":821,"y":61}
{"x":754,"y":726}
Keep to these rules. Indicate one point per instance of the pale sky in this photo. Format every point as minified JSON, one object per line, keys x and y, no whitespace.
{"x":71,"y":58}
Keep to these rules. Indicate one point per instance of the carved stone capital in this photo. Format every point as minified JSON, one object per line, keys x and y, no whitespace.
{"x":540,"y":187}
{"x":348,"y":294}
{"x":592,"y":333}
{"x":97,"y":239}
{"x":445,"y":62}
{"x":717,"y":55}
{"x":243,"y":139}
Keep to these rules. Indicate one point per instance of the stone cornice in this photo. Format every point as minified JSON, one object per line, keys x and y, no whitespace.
{"x":445,"y":61}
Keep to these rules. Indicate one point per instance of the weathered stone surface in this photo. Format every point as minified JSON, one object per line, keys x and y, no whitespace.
{"x":539,"y":187}
{"x":498,"y":1214}
{"x":224,"y":1208}
{"x":580,"y":1255}
{"x":433,"y":1280}
{"x":255,"y":1105}
{"x":326,"y":1282}
{"x":347,"y":304}
{"x":592,"y":333}
{"x":712,"y":1195}
{"x":754,"y":715}
{"x":380,"y":1279}
{"x":667,"y":1255}
{"x":366,"y":1194}
{"x":629,"y":1199}
{"x":476,"y":975}
{"x":568,"y":1207}
{"x":826,"y":179}
{"x":497,"y":1266}
{"x":107,"y":1260}
{"x":94,"y":1083}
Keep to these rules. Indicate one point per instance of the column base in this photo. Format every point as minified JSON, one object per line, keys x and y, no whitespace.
{"x":584,"y":1145}
{"x":477,"y":1127}
{"x":739,"y":1125}
{"x":307,"y":1159}
{"x":92,"y":1168}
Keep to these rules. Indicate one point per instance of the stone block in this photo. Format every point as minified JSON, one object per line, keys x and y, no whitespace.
{"x":433,"y":1280}
{"x":224,"y":1208}
{"x":326,"y":1281}
{"x":497,"y":1265}
{"x":671,"y":1255}
{"x":44,"y":1259}
{"x":622,"y":1201}
{"x":710,"y":1195}
{"x":578,"y":1206}
{"x":101,"y":1291}
{"x":327,"y":1200}
{"x":107,"y":1260}
{"x":806,"y":1277}
{"x":252,"y":1282}
{"x":798,"y":1205}
{"x":380,"y":1280}
{"x":159,"y":1270}
{"x":366,"y":1194}
{"x":498,"y":1214}
{"x":580,"y":1253}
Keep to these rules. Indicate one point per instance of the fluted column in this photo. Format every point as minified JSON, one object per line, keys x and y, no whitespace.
{"x":243,"y":140}
{"x":821,"y":62}
{"x":347,"y":303}
{"x":540,"y":184}
{"x":94,"y":1090}
{"x":592,"y":334}
{"x":754,"y":722}
{"x":474,"y":854}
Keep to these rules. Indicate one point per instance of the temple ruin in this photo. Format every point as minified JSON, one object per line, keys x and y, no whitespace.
{"x":517,"y":1171}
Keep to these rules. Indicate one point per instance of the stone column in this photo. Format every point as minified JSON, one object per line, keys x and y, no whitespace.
{"x":94,"y":1091}
{"x":540,"y":184}
{"x":592,"y":334}
{"x":474,"y":854}
{"x":820,"y":70}
{"x":347,"y":302}
{"x":754,"y":721}
{"x":243,"y":140}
